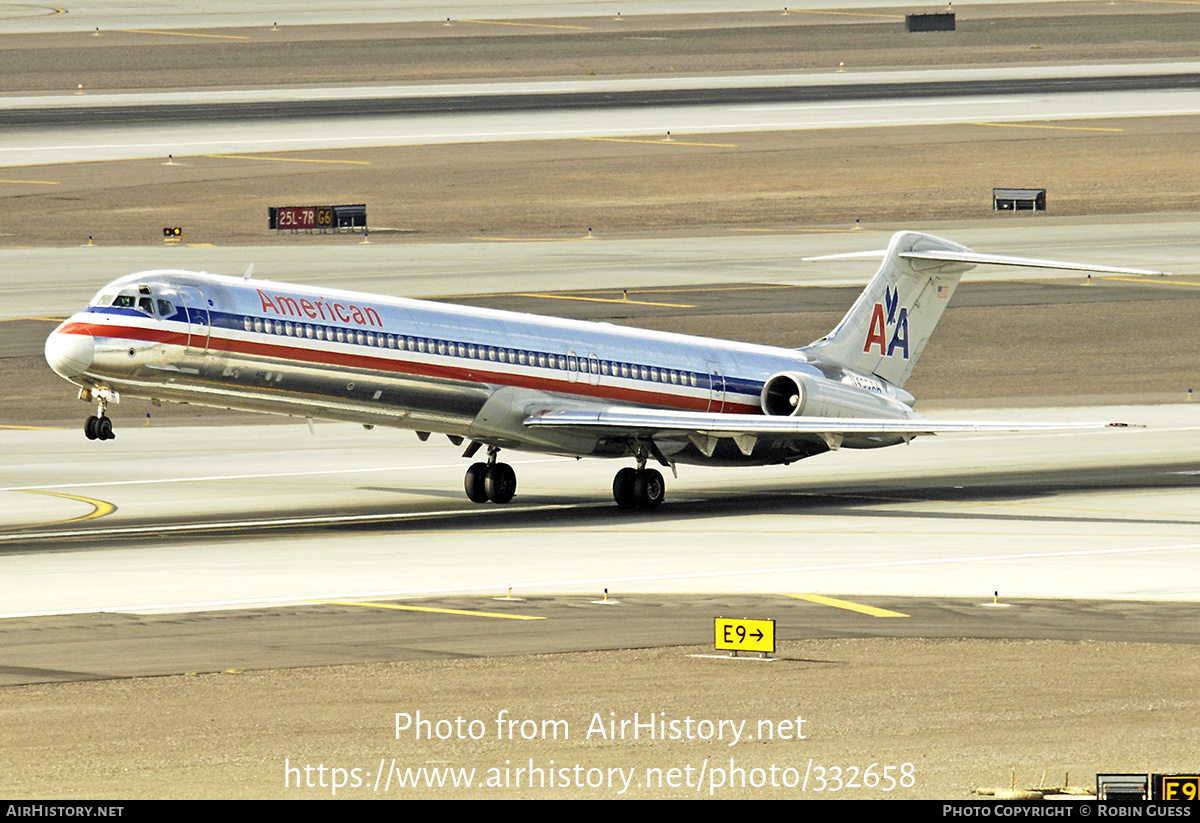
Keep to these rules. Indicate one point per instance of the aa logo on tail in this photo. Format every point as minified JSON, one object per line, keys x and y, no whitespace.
{"x":895,"y":322}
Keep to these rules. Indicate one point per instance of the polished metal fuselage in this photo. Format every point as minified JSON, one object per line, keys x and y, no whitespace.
{"x":466,"y":372}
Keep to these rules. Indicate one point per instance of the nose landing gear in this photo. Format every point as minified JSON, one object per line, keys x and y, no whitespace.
{"x":99,"y":426}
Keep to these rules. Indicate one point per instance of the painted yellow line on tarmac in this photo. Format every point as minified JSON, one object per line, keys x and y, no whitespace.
{"x":463,"y":612}
{"x":698,"y":289}
{"x":288,"y":159}
{"x":523,"y":25}
{"x":659,"y":142}
{"x":605,"y":300}
{"x":533,"y":239}
{"x":34,"y":182}
{"x":852,"y":230}
{"x":100,"y":507}
{"x":1149,"y":278}
{"x":1056,"y":128}
{"x":183,"y":34}
{"x":32,"y":429}
{"x":845,"y":13}
{"x":847,"y":605}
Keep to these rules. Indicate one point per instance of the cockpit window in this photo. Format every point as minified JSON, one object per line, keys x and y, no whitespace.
{"x":165,"y":308}
{"x":124,"y":301}
{"x":146,"y":305}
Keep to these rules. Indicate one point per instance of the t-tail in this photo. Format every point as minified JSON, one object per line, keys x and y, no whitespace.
{"x":887,"y":328}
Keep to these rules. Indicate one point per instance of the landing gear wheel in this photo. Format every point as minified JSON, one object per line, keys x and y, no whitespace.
{"x":623,"y":488}
{"x":649,"y":489}
{"x":89,"y":428}
{"x":475,"y":482}
{"x":500,"y":483}
{"x":104,"y":429}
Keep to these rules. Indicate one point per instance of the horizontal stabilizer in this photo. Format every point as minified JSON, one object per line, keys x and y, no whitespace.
{"x":974,"y":257}
{"x":979,"y":258}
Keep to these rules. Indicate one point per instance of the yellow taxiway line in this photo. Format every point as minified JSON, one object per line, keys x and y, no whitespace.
{"x":183,"y":34}
{"x":100,"y":507}
{"x":605,"y":300}
{"x":847,"y":605}
{"x":463,"y":612}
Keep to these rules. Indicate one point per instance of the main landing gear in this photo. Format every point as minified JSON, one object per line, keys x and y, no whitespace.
{"x":639,"y":488}
{"x":490,"y":481}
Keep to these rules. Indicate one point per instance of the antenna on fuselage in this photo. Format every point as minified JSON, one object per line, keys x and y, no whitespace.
{"x":249,"y":271}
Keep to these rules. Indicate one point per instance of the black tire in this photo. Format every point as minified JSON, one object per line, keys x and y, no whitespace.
{"x":474,"y":483}
{"x":89,"y":427}
{"x":623,"y":488}
{"x":649,"y":489}
{"x":500,"y":483}
{"x":104,"y":430}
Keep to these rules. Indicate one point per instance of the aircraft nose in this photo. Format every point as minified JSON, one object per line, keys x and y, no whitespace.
{"x":69,"y":353}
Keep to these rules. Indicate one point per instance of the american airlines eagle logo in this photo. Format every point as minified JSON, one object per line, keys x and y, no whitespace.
{"x":889,"y":326}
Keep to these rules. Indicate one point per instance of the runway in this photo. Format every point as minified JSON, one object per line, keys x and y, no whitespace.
{"x":118,"y":132}
{"x":274,"y":515}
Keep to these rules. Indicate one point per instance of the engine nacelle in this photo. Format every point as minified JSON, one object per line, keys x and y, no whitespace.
{"x":790,"y":394}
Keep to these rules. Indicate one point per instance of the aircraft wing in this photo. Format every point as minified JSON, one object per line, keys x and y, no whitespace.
{"x":640,"y":423}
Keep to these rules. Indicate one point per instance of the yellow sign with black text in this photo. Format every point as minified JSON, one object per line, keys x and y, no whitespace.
{"x":745,"y":635}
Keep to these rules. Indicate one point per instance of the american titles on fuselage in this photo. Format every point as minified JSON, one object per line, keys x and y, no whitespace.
{"x":284,"y":305}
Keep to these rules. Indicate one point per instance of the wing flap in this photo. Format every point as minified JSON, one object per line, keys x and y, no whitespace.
{"x":638,"y":422}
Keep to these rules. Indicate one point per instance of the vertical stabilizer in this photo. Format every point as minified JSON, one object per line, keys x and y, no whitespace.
{"x":887,"y":328}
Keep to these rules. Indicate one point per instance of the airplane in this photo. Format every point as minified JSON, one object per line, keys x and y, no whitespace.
{"x":504,"y":380}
